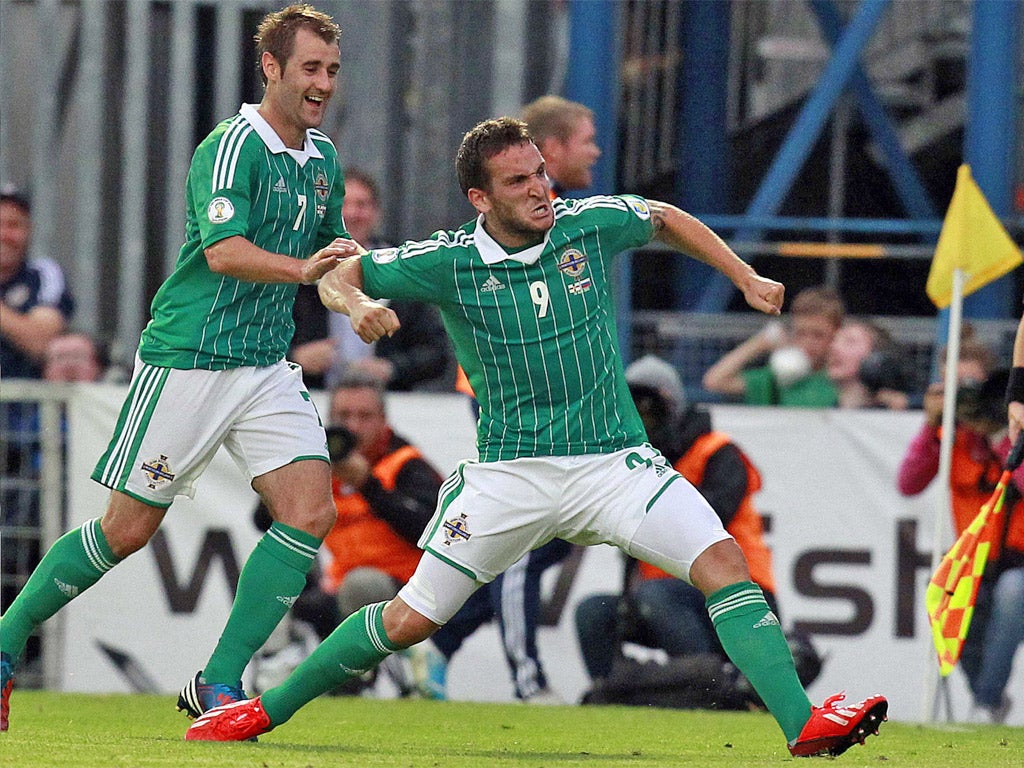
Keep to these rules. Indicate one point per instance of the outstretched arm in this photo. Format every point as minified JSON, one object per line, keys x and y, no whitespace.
{"x":682,"y":232}
{"x":241,"y":259}
{"x":341,"y":290}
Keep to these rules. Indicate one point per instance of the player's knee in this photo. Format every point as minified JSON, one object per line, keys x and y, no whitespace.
{"x":720,"y":565}
{"x":405,"y":626}
{"x":315,"y":519}
{"x":129,"y":524}
{"x":126,"y":539}
{"x":323,"y":519}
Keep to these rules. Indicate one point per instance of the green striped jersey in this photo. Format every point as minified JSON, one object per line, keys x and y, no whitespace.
{"x":535,"y":330}
{"x":243,"y":181}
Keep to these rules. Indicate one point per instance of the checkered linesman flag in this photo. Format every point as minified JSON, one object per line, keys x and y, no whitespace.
{"x":953,"y":589}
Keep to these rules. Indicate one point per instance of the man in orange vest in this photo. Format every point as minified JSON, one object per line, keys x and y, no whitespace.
{"x":385,"y":492}
{"x":656,"y":609}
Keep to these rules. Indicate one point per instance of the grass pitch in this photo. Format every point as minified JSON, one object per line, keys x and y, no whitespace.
{"x":50,"y":730}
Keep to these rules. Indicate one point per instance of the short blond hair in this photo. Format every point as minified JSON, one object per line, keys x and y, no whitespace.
{"x":552,"y":117}
{"x":820,"y":301}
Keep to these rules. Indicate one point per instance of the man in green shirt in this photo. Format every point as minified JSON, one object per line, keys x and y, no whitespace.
{"x":264,"y":199}
{"x":524,"y":292}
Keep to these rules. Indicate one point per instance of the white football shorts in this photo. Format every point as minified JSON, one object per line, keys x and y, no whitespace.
{"x":173,"y":421}
{"x":491,"y":514}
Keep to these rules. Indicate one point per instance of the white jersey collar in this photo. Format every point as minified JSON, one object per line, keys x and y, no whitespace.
{"x":273,"y":141}
{"x":493,"y":253}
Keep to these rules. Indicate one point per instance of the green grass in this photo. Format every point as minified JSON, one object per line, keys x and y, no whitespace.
{"x":120,"y":731}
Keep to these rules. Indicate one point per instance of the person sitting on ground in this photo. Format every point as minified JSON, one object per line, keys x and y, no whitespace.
{"x":655,"y":609}
{"x":385,"y":491}
{"x":795,"y":373}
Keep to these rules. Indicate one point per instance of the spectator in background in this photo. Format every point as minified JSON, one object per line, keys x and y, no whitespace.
{"x":656,"y":609}
{"x":417,"y":357}
{"x":35,"y":306}
{"x":865,"y":367}
{"x":564,"y":133}
{"x":980,"y":447}
{"x":35,"y":303}
{"x":77,"y":357}
{"x":795,"y":374}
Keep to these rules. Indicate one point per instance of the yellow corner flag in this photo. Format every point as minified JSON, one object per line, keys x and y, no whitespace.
{"x":953,"y":588}
{"x":972,"y":239}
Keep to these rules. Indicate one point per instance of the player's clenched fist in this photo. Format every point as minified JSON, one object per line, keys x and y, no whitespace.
{"x":372,"y":321}
{"x":764,"y":294}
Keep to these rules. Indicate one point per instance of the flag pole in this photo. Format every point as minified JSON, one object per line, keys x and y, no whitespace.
{"x":944,"y":512}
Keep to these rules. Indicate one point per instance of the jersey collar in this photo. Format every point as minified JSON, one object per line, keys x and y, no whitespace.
{"x":492,"y":253}
{"x":273,"y":141}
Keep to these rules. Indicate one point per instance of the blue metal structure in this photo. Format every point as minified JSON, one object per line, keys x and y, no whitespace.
{"x":702,"y":132}
{"x":802,"y":135}
{"x":994,"y":74}
{"x":993,"y":82}
{"x":593,"y":78}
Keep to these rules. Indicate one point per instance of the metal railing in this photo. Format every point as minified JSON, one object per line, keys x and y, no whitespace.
{"x":32,"y":503}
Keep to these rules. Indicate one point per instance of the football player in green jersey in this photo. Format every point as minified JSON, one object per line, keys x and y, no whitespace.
{"x":264,"y":214}
{"x":524,"y":292}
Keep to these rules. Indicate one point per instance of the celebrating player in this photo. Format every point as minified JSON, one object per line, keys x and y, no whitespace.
{"x":524,"y":291}
{"x":264,"y":192}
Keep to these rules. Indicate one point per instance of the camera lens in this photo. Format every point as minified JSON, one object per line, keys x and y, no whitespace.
{"x":340,"y":442}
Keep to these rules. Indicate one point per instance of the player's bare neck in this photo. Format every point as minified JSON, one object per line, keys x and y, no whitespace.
{"x":293,"y":137}
{"x":512,"y":241}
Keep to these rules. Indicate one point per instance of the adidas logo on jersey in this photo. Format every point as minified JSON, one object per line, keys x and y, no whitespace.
{"x":288,"y":600}
{"x":491,"y":284}
{"x":279,"y":185}
{"x":768,"y":620}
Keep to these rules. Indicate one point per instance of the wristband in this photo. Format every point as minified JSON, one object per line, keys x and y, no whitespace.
{"x":1015,"y":386}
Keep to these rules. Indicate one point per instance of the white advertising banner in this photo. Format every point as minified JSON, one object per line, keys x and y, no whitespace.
{"x":851,"y":557}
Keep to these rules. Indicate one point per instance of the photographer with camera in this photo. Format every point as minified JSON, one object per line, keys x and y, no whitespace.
{"x":980,"y":447}
{"x":864,"y":365}
{"x":385,"y":493}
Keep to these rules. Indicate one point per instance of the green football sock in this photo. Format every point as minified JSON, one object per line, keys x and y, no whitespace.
{"x":752,"y":637}
{"x":357,"y":645}
{"x":74,"y":563}
{"x":273,"y":576}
